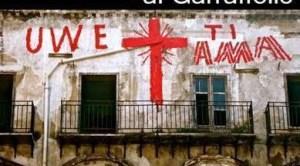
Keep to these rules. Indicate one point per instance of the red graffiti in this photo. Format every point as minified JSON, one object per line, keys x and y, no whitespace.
{"x":270,"y":43}
{"x":158,"y":42}
{"x":226,"y":51}
{"x":98,"y":36}
{"x":233,"y":31}
{"x":202,"y":51}
{"x":57,"y":41}
{"x":28,"y":41}
{"x":241,"y":51}
{"x":66,"y":32}
{"x":234,"y":54}
{"x":213,"y":29}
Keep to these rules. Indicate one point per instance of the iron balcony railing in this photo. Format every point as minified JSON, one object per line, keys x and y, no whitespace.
{"x":146,"y":116}
{"x":283,"y":118}
{"x":17,"y":116}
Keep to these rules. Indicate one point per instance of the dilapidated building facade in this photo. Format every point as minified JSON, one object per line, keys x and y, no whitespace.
{"x":149,"y":88}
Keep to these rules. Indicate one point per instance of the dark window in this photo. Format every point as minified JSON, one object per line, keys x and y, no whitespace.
{"x":218,"y":92}
{"x":210,"y":96}
{"x":98,"y":103}
{"x":202,"y":99}
{"x":293,"y":83}
{"x":6,"y":86}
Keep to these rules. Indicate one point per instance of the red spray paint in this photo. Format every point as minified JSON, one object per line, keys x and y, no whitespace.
{"x":202,"y":52}
{"x":98,"y":36}
{"x":28,"y":40}
{"x":157,"y":42}
{"x":213,"y":29}
{"x":66,"y":32}
{"x":234,"y":54}
{"x":270,"y":43}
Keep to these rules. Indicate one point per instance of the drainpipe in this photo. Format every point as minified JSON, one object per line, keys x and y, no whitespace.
{"x":47,"y":91}
{"x":46,"y":120}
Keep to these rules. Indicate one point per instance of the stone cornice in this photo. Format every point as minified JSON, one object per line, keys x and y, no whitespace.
{"x":215,"y":14}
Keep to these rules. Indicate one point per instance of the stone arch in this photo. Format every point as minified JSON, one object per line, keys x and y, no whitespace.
{"x":217,"y":160}
{"x":96,"y":158}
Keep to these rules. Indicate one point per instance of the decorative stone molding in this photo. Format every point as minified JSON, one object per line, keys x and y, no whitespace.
{"x":92,"y":158}
{"x":217,"y":160}
{"x":216,"y":14}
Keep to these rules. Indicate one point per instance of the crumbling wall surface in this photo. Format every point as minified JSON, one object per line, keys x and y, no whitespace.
{"x":267,"y":83}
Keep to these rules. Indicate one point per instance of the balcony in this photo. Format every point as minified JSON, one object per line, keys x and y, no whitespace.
{"x":283,"y":124}
{"x":283,"y":118}
{"x":17,"y":123}
{"x":218,"y":122}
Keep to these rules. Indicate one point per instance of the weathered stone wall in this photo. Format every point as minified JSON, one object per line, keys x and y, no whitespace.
{"x":133,"y":77}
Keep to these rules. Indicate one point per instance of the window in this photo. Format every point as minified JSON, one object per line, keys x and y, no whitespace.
{"x":6,"y":86}
{"x":98,"y":103}
{"x":293,"y":84}
{"x":210,"y":94}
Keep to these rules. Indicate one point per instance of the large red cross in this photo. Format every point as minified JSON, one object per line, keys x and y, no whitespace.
{"x":158,"y":43}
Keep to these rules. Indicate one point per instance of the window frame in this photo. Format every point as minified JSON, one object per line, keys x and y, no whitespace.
{"x":286,"y":76}
{"x":210,"y":94}
{"x":14,"y":80}
{"x":13,"y":76}
{"x":80,"y":86}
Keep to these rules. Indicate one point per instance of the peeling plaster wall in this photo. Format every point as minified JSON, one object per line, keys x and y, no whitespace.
{"x":133,"y":76}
